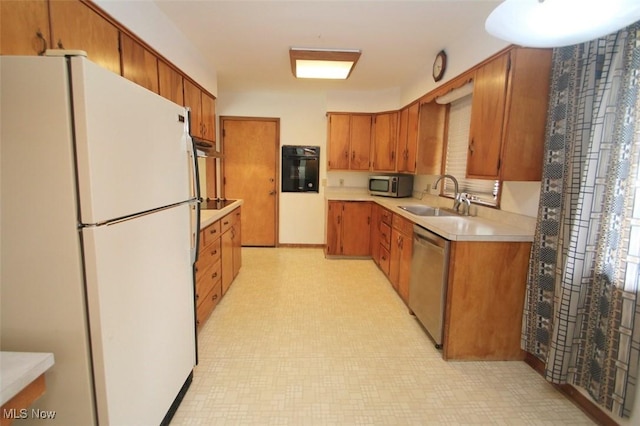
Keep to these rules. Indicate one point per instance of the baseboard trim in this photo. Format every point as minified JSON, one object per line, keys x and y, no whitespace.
{"x":581,"y":401}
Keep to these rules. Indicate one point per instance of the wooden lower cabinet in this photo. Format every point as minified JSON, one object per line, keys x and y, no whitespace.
{"x":231,"y":248}
{"x":485,"y":298}
{"x":219,"y":261}
{"x":400,"y":255}
{"x":348,"y":228}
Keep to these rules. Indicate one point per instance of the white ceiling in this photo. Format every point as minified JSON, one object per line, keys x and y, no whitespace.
{"x":248,"y":41}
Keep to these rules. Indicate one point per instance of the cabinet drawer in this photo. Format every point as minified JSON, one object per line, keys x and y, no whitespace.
{"x":210,"y":233}
{"x":385,"y":260}
{"x":204,"y":309}
{"x":208,"y":255}
{"x":386,"y":216}
{"x":403,"y":225}
{"x":227,"y":222}
{"x":206,"y":280}
{"x":385,"y":235}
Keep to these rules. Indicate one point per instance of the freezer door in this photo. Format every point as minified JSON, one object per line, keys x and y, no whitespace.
{"x":140,"y":294}
{"x":132,"y":146}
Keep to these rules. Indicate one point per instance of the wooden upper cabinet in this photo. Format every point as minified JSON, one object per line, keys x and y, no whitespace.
{"x":170,"y":83}
{"x":193,"y":100}
{"x":349,"y":141}
{"x":526,"y":118}
{"x":432,"y":133}
{"x":408,"y":139}
{"x":208,"y":110}
{"x":487,"y":118}
{"x":360,"y":142}
{"x":74,"y":25}
{"x":138,"y":64}
{"x":385,"y":137}
{"x":25,"y":27}
{"x":508,"y":116}
{"x":338,"y":131}
{"x":203,"y":112}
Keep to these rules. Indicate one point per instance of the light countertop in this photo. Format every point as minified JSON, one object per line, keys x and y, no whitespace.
{"x":207,"y":217}
{"x":19,"y":369}
{"x":454,"y":228}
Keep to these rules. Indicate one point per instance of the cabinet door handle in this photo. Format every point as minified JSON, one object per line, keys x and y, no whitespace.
{"x":215,"y":296}
{"x":44,"y":42}
{"x":471,"y":147}
{"x":353,"y":155}
{"x":214,"y":275}
{"x":60,"y":45}
{"x":213,"y":253}
{"x":393,"y":155}
{"x":346,"y":154}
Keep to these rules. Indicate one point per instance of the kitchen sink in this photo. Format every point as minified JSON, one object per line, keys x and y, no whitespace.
{"x":419,"y":210}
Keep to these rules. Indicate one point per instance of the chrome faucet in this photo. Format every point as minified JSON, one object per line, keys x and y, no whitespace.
{"x":456,"y":200}
{"x":466,"y":202}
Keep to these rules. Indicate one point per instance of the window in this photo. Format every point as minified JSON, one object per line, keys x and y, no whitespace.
{"x":480,"y":191}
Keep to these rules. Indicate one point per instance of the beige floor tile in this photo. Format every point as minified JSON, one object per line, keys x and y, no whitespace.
{"x":302,"y":340}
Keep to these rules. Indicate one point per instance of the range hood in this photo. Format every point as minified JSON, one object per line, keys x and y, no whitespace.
{"x":205,"y":148}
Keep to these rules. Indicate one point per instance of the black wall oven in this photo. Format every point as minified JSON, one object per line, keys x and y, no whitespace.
{"x":300,"y":168}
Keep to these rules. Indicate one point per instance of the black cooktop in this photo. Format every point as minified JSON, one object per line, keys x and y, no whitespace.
{"x":215,"y":203}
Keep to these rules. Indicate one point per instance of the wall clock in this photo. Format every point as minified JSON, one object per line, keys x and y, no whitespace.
{"x":439,"y":65}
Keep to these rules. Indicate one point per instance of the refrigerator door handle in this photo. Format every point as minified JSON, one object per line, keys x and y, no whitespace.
{"x":195,"y":230}
{"x":195,"y":188}
{"x":193,"y":164}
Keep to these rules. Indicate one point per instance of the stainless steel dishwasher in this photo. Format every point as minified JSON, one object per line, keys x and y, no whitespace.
{"x":427,"y":287}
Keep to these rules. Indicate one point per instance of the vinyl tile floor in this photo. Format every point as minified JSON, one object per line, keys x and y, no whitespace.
{"x":302,"y":340}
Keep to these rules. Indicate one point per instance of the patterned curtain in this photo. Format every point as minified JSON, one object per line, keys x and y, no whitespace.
{"x":582,"y":313}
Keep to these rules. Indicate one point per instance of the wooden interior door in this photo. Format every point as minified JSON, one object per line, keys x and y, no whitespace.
{"x":250,"y":165}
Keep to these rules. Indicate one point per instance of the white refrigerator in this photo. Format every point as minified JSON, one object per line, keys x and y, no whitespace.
{"x":99,"y":225}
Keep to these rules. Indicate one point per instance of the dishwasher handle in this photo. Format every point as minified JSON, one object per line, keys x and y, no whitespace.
{"x":423,"y":236}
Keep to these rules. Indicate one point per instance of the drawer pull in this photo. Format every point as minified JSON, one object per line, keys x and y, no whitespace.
{"x":225,"y":223}
{"x":213,"y":231}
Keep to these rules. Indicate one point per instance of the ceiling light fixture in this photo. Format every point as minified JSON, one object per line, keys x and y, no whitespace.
{"x":323,"y":63}
{"x":557,"y":23}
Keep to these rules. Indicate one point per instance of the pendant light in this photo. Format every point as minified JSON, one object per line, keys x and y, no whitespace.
{"x":557,"y":23}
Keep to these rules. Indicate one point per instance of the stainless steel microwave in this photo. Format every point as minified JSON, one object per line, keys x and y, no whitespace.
{"x":397,"y":186}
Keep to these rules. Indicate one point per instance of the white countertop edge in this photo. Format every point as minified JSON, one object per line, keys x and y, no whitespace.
{"x":19,"y":369}
{"x":207,"y":217}
{"x":454,"y":228}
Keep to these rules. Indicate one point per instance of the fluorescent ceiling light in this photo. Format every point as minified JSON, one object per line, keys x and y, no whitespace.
{"x":557,"y":23}
{"x":322,"y":63}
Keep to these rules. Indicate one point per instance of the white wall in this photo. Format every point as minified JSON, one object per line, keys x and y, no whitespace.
{"x":144,"y":19}
{"x":462,"y":54}
{"x":302,"y":122}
